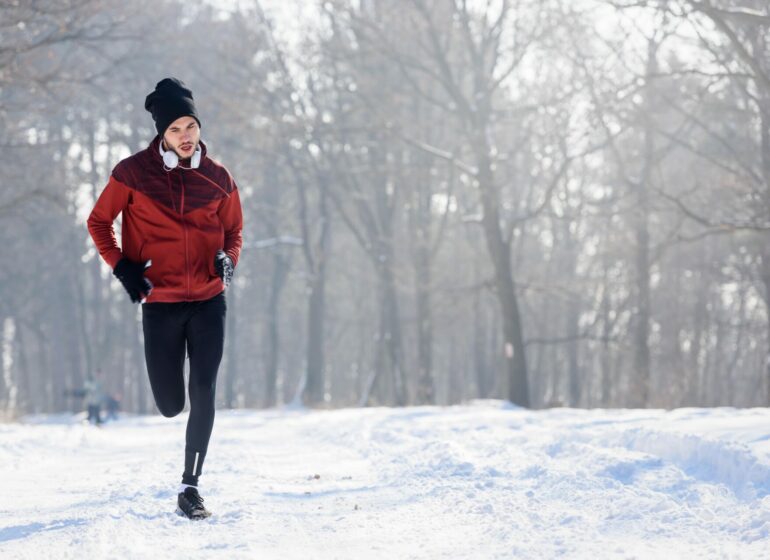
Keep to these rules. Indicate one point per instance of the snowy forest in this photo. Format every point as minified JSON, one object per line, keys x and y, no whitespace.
{"x":553,"y":202}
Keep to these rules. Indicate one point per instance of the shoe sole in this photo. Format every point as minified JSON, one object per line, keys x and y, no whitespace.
{"x":180,"y":513}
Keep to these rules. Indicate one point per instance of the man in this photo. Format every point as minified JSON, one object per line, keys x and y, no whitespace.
{"x":181,"y":239}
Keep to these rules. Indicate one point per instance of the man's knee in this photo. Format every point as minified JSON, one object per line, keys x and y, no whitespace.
{"x":170,"y":409}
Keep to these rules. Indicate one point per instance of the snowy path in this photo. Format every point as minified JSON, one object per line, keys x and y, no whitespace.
{"x":478,"y":481}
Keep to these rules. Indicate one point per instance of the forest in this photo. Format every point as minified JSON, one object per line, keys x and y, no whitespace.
{"x":551,"y":202}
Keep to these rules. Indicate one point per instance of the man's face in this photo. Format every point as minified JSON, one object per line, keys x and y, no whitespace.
{"x":183,"y":136}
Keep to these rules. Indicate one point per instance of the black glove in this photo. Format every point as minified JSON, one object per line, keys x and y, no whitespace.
{"x":131,"y":275}
{"x":224,"y":267}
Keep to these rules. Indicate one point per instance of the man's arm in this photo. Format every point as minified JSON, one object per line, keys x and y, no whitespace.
{"x":113,"y":200}
{"x":232,"y":220}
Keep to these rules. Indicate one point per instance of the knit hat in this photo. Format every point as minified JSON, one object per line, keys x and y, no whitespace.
{"x":170,"y":100}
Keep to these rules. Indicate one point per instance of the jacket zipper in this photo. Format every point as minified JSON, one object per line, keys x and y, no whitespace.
{"x":186,"y":254}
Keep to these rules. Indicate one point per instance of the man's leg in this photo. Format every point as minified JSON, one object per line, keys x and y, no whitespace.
{"x":164,"y":352}
{"x":205,"y":342}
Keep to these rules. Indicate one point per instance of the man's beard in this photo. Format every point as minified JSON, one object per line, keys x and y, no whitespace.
{"x":179,"y":155}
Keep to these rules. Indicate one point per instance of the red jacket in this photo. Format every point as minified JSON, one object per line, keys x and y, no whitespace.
{"x":178,"y":219}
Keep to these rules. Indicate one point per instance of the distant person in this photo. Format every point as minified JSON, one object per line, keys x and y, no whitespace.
{"x":94,"y":395}
{"x":112,"y":405}
{"x":181,"y":239}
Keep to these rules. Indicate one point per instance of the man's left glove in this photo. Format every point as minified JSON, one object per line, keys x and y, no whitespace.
{"x":224,"y":267}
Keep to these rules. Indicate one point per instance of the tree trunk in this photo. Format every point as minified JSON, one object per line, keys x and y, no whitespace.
{"x":232,"y":347}
{"x":425,"y":387}
{"x":480,"y":342}
{"x":640,"y":391}
{"x":765,"y":151}
{"x":278,"y":280}
{"x":315,"y":390}
{"x":515,"y":382}
{"x":133,"y":331}
{"x":699,"y":330}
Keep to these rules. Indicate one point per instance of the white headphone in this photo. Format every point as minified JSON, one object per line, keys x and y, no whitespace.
{"x":171,"y":160}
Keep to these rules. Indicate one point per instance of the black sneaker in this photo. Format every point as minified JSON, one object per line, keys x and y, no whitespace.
{"x":191,"y":504}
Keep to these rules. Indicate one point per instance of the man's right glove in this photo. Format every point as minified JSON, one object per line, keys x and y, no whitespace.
{"x":131,"y":275}
{"x":223,"y":264}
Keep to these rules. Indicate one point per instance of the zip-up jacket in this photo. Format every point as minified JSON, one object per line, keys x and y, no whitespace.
{"x":178,"y":219}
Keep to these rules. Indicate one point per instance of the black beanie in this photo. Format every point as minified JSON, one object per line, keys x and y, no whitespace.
{"x":170,"y":100}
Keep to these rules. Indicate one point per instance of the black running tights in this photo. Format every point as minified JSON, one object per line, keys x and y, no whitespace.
{"x":170,"y":329}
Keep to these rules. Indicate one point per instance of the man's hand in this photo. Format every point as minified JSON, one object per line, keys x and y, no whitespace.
{"x":224,"y":267}
{"x":131,"y":275}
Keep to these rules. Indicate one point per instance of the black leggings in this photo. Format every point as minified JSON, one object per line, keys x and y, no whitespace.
{"x":169,"y":329}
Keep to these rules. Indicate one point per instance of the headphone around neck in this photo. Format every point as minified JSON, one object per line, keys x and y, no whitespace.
{"x":171,"y":160}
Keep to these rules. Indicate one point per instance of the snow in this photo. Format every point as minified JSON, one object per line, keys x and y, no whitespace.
{"x":482,"y":480}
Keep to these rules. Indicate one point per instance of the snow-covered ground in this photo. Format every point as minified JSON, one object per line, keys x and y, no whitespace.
{"x":485,"y":480}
